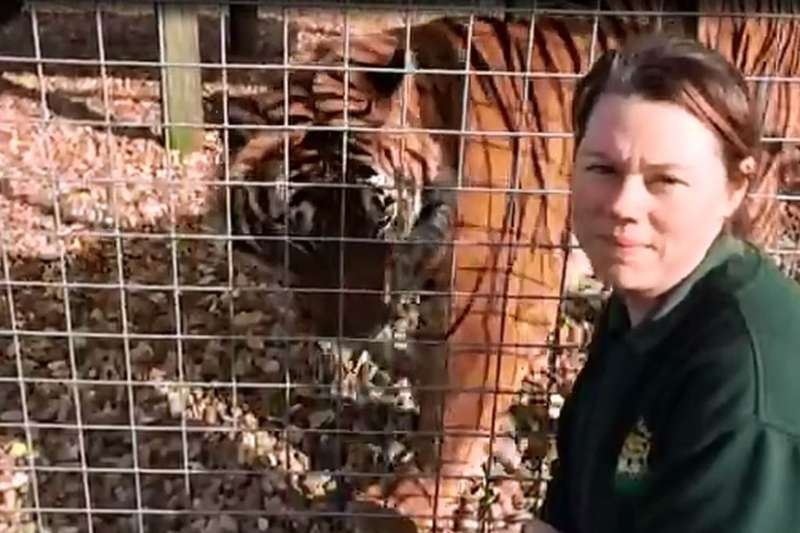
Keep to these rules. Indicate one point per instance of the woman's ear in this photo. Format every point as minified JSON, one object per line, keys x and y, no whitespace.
{"x":747,"y":166}
{"x":740,"y":186}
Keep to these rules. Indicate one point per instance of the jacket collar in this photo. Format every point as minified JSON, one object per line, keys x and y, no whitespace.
{"x":666,"y":315}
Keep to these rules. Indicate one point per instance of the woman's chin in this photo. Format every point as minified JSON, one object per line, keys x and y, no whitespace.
{"x":627,"y":278}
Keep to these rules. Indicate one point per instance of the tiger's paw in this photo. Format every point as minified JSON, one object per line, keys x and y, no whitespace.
{"x":408,"y":507}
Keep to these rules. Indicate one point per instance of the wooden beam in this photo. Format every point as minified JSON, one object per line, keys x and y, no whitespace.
{"x":184,"y":91}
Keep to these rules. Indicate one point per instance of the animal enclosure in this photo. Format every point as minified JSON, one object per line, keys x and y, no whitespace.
{"x":159,"y":373}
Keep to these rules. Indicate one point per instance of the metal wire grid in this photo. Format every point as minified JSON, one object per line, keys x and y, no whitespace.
{"x":179,"y":290}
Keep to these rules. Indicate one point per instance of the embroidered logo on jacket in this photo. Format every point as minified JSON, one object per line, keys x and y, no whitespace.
{"x":633,"y":457}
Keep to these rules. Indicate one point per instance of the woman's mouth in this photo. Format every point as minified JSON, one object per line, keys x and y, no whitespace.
{"x":622,"y":241}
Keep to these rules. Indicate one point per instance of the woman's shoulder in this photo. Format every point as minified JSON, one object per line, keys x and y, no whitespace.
{"x":768,"y":301}
{"x":757,"y":334}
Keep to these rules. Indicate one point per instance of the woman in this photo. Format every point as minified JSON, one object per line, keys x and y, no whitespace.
{"x":686,"y":416}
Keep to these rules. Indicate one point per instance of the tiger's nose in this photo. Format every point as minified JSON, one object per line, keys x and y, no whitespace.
{"x":301,"y":219}
{"x":377,"y":206}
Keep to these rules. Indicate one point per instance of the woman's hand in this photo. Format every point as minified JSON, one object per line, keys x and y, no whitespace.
{"x":538,"y":526}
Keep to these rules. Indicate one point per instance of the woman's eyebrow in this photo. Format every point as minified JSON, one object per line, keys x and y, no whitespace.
{"x":667,"y":165}
{"x":658,"y":166}
{"x":598,"y":154}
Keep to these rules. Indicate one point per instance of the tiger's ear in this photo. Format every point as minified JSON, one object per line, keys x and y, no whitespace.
{"x":370,"y":95}
{"x":379,"y":51}
{"x":385,"y":84}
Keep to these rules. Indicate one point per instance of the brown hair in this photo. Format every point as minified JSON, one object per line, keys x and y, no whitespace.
{"x":684,"y":72}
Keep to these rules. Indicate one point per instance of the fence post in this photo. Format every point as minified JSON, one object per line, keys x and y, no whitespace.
{"x":243,"y":30}
{"x":184,"y":91}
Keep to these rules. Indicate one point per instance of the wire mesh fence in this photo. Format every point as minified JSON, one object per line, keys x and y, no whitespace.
{"x":155,"y":376}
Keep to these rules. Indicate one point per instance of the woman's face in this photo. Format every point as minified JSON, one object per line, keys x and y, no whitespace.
{"x":650,"y":193}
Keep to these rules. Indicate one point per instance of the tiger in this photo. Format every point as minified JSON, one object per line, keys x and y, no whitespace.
{"x":469,"y":208}
{"x":787,"y":240}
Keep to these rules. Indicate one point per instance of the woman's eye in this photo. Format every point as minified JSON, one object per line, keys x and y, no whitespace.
{"x":666,"y":179}
{"x":601,"y":169}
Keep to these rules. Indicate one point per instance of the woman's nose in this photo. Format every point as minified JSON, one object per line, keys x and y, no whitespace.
{"x":629,"y":200}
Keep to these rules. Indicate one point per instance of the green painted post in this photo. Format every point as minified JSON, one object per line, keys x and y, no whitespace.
{"x":184,"y":92}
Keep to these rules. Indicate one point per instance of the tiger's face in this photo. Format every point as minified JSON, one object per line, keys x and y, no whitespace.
{"x":323,"y":207}
{"x":323,"y":224}
{"x":322,"y":200}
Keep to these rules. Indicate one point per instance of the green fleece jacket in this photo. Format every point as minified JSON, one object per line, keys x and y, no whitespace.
{"x":690,"y":421}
